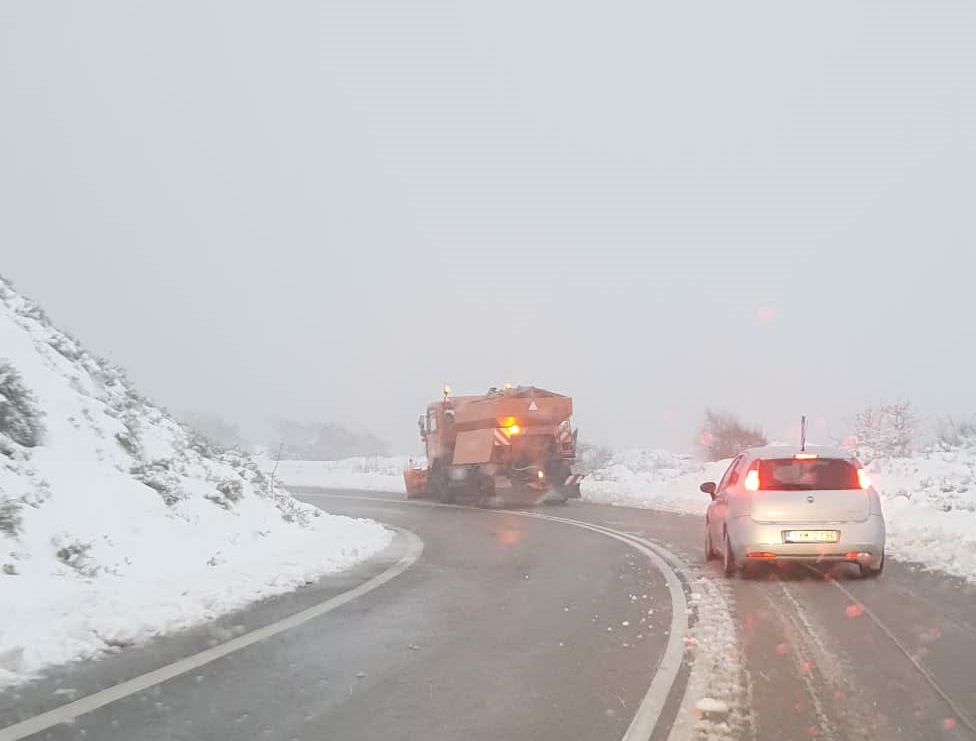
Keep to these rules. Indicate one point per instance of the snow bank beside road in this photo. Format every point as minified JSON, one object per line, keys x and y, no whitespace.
{"x":930,"y":506}
{"x":117,"y":523}
{"x":362,"y":474}
{"x":653,"y":479}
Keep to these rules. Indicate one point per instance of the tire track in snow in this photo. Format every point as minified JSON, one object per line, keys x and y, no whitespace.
{"x":821,"y":672}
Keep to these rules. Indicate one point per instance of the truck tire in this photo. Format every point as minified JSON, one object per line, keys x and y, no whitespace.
{"x":437,"y":485}
{"x":486,"y":491}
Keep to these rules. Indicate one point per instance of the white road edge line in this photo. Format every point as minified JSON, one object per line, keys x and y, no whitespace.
{"x":960,"y":713}
{"x":72,"y":710}
{"x":649,"y":712}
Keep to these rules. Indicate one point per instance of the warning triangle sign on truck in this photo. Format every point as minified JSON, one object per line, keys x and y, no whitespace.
{"x":533,"y":407}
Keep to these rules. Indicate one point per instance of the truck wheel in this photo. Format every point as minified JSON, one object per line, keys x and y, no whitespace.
{"x":556,"y":497}
{"x":437,"y":484}
{"x":486,"y":491}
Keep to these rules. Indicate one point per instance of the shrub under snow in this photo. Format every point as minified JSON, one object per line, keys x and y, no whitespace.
{"x":20,"y":419}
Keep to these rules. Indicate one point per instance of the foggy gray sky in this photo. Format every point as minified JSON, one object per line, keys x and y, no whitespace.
{"x":328,"y":210}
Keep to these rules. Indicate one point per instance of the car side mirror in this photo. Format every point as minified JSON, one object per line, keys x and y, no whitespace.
{"x":709,"y":488}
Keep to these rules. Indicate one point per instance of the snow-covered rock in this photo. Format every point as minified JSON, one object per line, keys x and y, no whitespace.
{"x":117,"y":523}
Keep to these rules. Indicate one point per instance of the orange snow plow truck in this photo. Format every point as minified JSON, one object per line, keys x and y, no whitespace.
{"x":512,"y":447}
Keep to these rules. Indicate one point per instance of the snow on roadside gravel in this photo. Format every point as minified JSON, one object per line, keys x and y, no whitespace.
{"x":718,"y":683}
{"x":117,"y":523}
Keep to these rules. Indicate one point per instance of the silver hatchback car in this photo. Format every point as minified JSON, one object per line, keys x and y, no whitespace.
{"x":779,"y":503}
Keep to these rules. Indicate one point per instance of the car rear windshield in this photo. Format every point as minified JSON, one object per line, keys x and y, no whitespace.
{"x":789,"y":474}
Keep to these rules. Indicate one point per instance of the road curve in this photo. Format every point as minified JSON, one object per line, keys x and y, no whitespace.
{"x":506,"y":627}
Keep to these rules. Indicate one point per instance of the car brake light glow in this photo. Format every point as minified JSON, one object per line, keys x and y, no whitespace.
{"x":752,"y":480}
{"x":863,"y":479}
{"x":761,"y":554}
{"x":806,"y":456}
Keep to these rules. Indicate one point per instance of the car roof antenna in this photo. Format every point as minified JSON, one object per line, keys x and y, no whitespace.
{"x":803,"y":433}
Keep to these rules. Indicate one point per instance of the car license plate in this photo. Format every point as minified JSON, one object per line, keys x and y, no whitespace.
{"x":811,"y":536}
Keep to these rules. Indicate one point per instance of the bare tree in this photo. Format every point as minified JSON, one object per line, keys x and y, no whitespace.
{"x":887,"y":430}
{"x":954,"y":433}
{"x":723,"y":436}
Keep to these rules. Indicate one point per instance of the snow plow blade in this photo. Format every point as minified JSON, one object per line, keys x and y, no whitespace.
{"x":415,"y":482}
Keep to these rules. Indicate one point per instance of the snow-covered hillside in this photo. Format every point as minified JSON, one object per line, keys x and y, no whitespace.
{"x":929,"y":499}
{"x":117,"y":523}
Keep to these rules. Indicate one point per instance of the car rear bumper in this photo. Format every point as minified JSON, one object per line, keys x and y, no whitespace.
{"x":858,"y":542}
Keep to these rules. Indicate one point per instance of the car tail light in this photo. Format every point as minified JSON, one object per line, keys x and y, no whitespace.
{"x":761,"y":554}
{"x":752,"y":480}
{"x":805,"y":457}
{"x":863,"y":479}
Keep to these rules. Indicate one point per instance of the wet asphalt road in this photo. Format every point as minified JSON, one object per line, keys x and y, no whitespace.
{"x":512,"y":628}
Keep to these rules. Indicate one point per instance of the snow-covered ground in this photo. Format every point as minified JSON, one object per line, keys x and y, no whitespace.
{"x":117,"y":523}
{"x":929,"y":499}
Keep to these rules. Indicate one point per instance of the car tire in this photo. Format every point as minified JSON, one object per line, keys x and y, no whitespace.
{"x":728,"y":560}
{"x":709,"y":549}
{"x":868,"y":573}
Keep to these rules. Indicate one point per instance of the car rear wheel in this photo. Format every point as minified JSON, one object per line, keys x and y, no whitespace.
{"x":728,"y":560}
{"x":868,"y":573}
